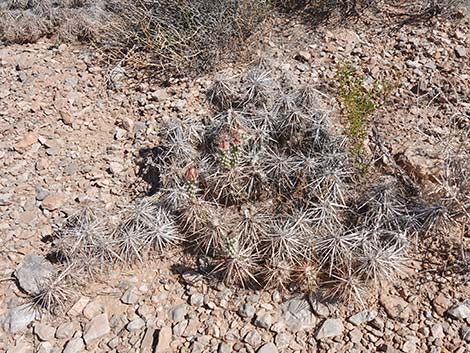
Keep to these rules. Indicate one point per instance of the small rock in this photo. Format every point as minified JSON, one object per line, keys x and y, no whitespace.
{"x":130,"y":296}
{"x":276,"y":296}
{"x":178,"y":313}
{"x":264,"y":320}
{"x":465,"y":333}
{"x":197,"y":300}
{"x":297,"y":315}
{"x":75,"y":345}
{"x":387,"y":348}
{"x":179,"y":328}
{"x":78,"y":307}
{"x":355,"y":336}
{"x":224,"y":348}
{"x":330,"y":328}
{"x":135,"y":325}
{"x":268,"y":348}
{"x":98,"y":328}
{"x":20,"y":347}
{"x":44,"y":332}
{"x":5,"y":199}
{"x":461,"y":52}
{"x":247,"y":311}
{"x":65,"y":331}
{"x":192,"y":278}
{"x":41,"y":193}
{"x":164,"y":340}
{"x":92,"y":310}
{"x":413,"y":64}
{"x":53,"y":201}
{"x":459,"y":312}
{"x":437,"y":331}
{"x":18,"y":318}
{"x":253,"y":338}
{"x":147,"y":341}
{"x":32,"y":272}
{"x":46,"y":347}
{"x":319,"y":308}
{"x":27,"y":141}
{"x":362,"y":317}
{"x":395,"y":307}
{"x":282,"y":340}
{"x":441,"y":303}
{"x":115,"y":168}
{"x":113,"y":342}
{"x":410,"y":346}
{"x":197,"y":347}
{"x":303,"y":56}
{"x":120,"y":133}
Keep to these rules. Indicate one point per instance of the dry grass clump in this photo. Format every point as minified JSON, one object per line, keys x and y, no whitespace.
{"x":28,"y":21}
{"x":179,"y":37}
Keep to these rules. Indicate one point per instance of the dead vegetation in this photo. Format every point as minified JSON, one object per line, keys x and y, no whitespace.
{"x":177,"y":38}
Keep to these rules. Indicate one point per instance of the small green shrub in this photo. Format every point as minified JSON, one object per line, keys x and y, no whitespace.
{"x":359,"y":105}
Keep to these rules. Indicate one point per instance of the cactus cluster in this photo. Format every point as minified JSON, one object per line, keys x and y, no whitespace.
{"x":268,"y":194}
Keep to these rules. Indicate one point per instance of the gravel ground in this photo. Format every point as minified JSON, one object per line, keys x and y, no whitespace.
{"x":70,"y":137}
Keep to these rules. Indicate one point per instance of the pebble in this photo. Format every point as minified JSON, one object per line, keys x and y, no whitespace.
{"x":247,"y":311}
{"x":75,"y":345}
{"x":465,"y":333}
{"x":147,"y":341}
{"x":53,"y":202}
{"x":461,"y":52}
{"x":197,"y":300}
{"x":179,"y":328}
{"x":395,"y":307}
{"x":330,"y":328}
{"x":44,"y":332}
{"x":437,"y":331}
{"x":32,"y":271}
{"x":264,"y":320}
{"x":65,"y":330}
{"x":197,"y":347}
{"x":130,"y":296}
{"x":224,"y":348}
{"x":135,"y":325}
{"x":459,"y":312}
{"x":362,"y":317}
{"x":18,"y":318}
{"x":268,"y":348}
{"x":93,"y":309}
{"x":178,"y":313}
{"x":441,"y":303}
{"x":78,"y":307}
{"x":98,"y":328}
{"x":282,"y":340}
{"x":164,"y":340}
{"x":253,"y":338}
{"x":320,"y":309}
{"x":46,"y":347}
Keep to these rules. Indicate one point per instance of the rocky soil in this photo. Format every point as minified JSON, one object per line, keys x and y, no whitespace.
{"x":74,"y":132}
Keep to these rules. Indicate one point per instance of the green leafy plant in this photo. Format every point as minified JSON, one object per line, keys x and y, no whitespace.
{"x":359,"y":105}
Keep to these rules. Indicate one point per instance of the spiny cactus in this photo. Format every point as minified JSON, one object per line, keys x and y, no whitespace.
{"x":238,"y":265}
{"x":84,"y":240}
{"x":257,"y":87}
{"x":53,"y":293}
{"x":379,"y":262}
{"x":220,"y":94}
{"x":269,"y":196}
